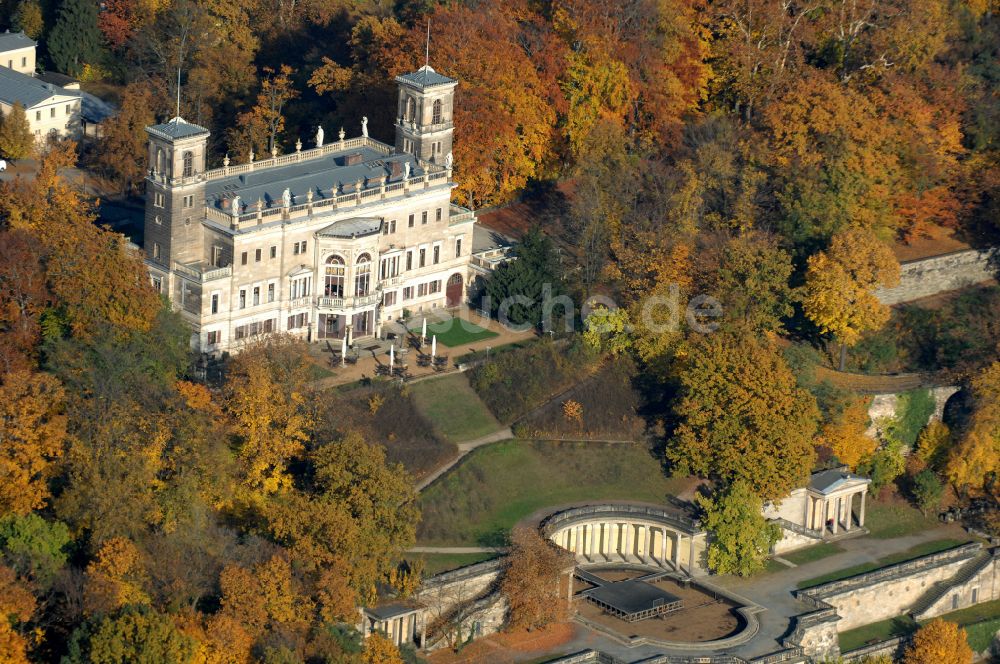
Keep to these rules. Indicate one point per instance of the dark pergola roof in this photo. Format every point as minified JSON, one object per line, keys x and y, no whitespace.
{"x":633,"y":600}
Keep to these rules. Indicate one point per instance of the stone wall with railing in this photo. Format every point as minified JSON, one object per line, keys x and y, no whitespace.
{"x":937,"y":274}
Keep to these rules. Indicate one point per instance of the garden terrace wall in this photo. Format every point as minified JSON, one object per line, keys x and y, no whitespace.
{"x":888,"y":592}
{"x":938,"y":274}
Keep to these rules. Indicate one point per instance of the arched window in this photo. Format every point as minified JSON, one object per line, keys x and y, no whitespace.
{"x":188,"y":164}
{"x":411,"y":109}
{"x":437,"y":112}
{"x":362,"y":275}
{"x":335,"y":272}
{"x":159,"y":161}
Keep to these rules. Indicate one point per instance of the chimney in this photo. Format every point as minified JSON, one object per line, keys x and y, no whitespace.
{"x":353,"y":158}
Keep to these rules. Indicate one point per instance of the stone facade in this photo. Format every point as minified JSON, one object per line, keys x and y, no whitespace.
{"x":937,"y":274}
{"x":891,"y":591}
{"x":462,"y":602}
{"x":329,"y":243}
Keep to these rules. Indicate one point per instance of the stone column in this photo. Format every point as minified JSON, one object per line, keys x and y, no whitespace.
{"x":606,"y":539}
{"x":836,"y":516}
{"x":861,"y":514}
{"x":423,"y":630}
{"x":848,"y":514}
{"x":649,"y":542}
{"x":691,"y":556}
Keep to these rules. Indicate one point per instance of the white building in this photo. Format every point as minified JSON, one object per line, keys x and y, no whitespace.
{"x":52,"y":110}
{"x":323,"y":243}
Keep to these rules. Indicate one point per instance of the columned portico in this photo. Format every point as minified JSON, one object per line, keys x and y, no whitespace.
{"x":830,"y":502}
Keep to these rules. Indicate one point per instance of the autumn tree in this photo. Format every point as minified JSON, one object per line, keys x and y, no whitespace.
{"x":264,"y":597}
{"x":976,"y":455}
{"x":28,"y":18}
{"x":32,"y":432}
{"x":845,"y":435}
{"x":122,"y":152}
{"x":17,"y":606}
{"x":139,"y":634}
{"x":380,"y":650}
{"x":16,"y":139}
{"x":34,"y":548}
{"x":839,"y":293}
{"x":258,"y":128}
{"x":741,"y":537}
{"x":531,"y":578}
{"x":939,"y":642}
{"x":24,"y":298}
{"x":751,"y":280}
{"x":115,"y":577}
{"x":267,"y":401}
{"x":927,"y":490}
{"x":90,"y":271}
{"x":742,"y":416}
{"x":934,"y":443}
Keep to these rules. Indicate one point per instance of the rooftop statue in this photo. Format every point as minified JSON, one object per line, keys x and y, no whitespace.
{"x":319,"y":136}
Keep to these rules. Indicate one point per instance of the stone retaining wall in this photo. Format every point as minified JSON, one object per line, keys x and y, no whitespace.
{"x":937,"y":274}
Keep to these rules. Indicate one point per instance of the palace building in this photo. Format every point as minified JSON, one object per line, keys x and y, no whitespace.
{"x":323,"y":243}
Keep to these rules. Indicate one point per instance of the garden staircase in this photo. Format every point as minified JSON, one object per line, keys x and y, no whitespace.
{"x":975,"y":565}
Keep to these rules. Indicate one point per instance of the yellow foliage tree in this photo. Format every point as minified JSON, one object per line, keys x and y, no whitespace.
{"x":380,"y":650}
{"x":976,"y":455}
{"x":267,"y":400}
{"x":17,"y":605}
{"x":934,"y":443}
{"x":846,"y":436}
{"x":32,"y":432}
{"x":114,"y":578}
{"x":939,"y":642}
{"x":265,"y":597}
{"x":839,"y":293}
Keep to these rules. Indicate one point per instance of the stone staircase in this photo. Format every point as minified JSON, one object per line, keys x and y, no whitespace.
{"x":980,"y":561}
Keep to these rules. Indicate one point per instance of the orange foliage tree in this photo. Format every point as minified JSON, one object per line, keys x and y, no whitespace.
{"x":976,"y":456}
{"x":939,"y":642}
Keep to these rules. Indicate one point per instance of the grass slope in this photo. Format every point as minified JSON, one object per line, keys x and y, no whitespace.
{"x":479,"y":501}
{"x":453,"y":408}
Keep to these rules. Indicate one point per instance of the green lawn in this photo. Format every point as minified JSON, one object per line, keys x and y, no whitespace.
{"x":813,"y":553}
{"x":895,"y":519}
{"x":456,"y":332}
{"x":453,"y":408}
{"x":436,"y":563}
{"x":479,"y":501}
{"x":880,"y":631}
{"x":981,"y":623}
{"x":914,"y":552}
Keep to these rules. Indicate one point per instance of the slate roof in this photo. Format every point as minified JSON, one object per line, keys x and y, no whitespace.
{"x":425,"y":77}
{"x":12,"y":41}
{"x":828,"y":481}
{"x":15,"y":86}
{"x":319,"y":175}
{"x":392,"y":610}
{"x":176,"y":128}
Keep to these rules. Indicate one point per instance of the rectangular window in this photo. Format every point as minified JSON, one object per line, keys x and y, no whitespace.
{"x":217,"y":256}
{"x":423,"y":217}
{"x":302,"y":247}
{"x":410,"y":222}
{"x":392,"y":226}
{"x":270,"y":292}
{"x":458,"y":247}
{"x":421,"y":290}
{"x":256,"y":256}
{"x":297,"y":321}
{"x":243,"y":298}
{"x":158,"y":198}
{"x":243,"y":258}
{"x":214,"y":337}
{"x":409,"y":261}
{"x":437,"y":215}
{"x":52,"y":112}
{"x":158,"y":284}
{"x":274,"y":251}
{"x":69,"y":109}
{"x":437,"y":254}
{"x":423,"y":257}
{"x":408,"y":293}
{"x":215,"y":303}
{"x":38,"y":116}
{"x":189,"y":201}
{"x":389,"y":298}
{"x":256,"y":295}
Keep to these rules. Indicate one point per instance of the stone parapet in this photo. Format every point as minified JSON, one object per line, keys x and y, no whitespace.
{"x":937,"y":274}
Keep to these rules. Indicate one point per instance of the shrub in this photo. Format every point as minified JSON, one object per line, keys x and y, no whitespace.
{"x":913,"y":410}
{"x":927,"y":491}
